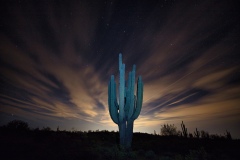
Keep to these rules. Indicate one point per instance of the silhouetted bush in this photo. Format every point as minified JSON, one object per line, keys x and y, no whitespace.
{"x":204,"y":134}
{"x":190,"y":135}
{"x":216,"y":136}
{"x":18,"y":125}
{"x":169,"y":130}
{"x":228,"y":135}
{"x":47,"y":129}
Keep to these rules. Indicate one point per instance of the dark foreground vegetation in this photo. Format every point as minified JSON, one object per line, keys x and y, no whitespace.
{"x":17,"y":141}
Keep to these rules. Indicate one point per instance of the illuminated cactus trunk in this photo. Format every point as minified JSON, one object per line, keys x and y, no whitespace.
{"x":128,"y":109}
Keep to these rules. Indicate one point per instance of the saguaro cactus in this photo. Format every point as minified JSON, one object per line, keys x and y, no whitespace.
{"x":124,"y":112}
{"x":184,"y":130}
{"x":197,"y":133}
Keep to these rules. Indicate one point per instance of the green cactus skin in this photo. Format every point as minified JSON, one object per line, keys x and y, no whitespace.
{"x":129,"y":107}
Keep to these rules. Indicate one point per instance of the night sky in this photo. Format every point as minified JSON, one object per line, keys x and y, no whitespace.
{"x":56,"y":59}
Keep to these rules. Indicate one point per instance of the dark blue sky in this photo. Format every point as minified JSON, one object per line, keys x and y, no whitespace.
{"x":56,"y":58}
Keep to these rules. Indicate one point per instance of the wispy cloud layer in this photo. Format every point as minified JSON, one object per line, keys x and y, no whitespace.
{"x":56,"y":60}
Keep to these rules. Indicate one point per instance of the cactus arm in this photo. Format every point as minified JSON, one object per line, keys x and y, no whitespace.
{"x":112,"y":100}
{"x":196,"y":133}
{"x":127,"y":104}
{"x":131,"y":96}
{"x":121,"y":89}
{"x":184,"y":129}
{"x":120,"y":61}
{"x":139,"y":99}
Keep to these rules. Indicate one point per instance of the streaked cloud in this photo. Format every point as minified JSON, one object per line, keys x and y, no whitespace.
{"x":57,"y":58}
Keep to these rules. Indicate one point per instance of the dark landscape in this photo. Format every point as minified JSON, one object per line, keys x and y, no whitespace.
{"x":20,"y":142}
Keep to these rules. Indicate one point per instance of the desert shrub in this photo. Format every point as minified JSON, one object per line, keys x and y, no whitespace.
{"x":46,"y":129}
{"x":169,"y":130}
{"x":190,"y":135}
{"x":216,"y":136}
{"x":204,"y":134}
{"x":18,"y":125}
{"x":228,"y":135}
